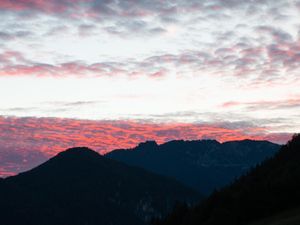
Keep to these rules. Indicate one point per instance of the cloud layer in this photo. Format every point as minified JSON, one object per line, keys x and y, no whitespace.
{"x":26,"y":142}
{"x":224,"y":69}
{"x":197,"y":37}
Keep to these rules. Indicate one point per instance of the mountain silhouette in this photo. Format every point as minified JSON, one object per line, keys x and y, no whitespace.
{"x":204,"y":165}
{"x":269,"y":194}
{"x":79,"y":186}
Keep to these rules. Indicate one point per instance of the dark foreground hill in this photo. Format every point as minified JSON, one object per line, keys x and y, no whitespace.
{"x":80,"y":187}
{"x":203,"y":165}
{"x":268,"y":195}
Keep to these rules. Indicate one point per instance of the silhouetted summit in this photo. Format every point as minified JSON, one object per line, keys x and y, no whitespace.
{"x":80,"y":151}
{"x":268,"y":194}
{"x":201,"y":164}
{"x":79,"y":186}
{"x":82,"y":154}
{"x":148,"y":145}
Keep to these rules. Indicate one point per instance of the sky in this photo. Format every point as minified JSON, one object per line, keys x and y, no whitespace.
{"x":109,"y":74}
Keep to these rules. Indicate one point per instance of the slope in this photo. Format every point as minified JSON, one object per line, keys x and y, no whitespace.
{"x":79,"y":186}
{"x":268,"y":190}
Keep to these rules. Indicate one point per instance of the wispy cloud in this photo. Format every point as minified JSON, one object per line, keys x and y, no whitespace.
{"x":266,"y":105}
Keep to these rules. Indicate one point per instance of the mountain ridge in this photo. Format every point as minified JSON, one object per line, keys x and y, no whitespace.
{"x":204,"y":165}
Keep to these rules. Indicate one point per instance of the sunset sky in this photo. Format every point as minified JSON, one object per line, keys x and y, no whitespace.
{"x":109,"y":74}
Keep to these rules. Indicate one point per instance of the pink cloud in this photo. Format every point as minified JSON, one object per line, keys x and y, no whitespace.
{"x":44,"y":6}
{"x":230,"y":104}
{"x":26,"y":142}
{"x":60,"y":70}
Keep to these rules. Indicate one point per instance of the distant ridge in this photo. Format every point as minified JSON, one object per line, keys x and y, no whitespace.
{"x":79,"y":186}
{"x":204,"y":165}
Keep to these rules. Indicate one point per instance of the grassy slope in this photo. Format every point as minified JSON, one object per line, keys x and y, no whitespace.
{"x":291,"y":217}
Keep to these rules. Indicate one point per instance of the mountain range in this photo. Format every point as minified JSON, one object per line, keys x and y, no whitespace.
{"x":81,"y":187}
{"x":204,"y":165}
{"x":269,"y":194}
{"x":157,"y":184}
